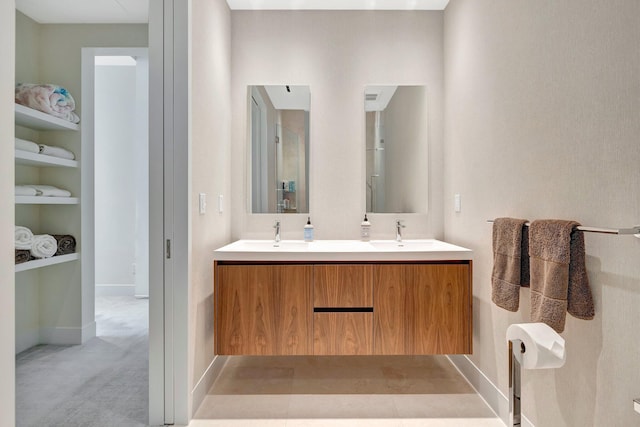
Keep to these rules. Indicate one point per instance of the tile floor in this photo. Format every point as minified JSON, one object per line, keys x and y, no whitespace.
{"x":373,"y":391}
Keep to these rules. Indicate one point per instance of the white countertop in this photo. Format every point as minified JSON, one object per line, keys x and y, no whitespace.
{"x":342,"y":250}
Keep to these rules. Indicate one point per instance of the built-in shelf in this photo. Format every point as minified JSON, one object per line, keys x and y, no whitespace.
{"x":34,"y":159}
{"x":41,"y":200}
{"x":35,"y":119}
{"x":39,"y":263}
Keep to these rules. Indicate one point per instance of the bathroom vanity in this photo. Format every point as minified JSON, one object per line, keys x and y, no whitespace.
{"x":342,"y":298}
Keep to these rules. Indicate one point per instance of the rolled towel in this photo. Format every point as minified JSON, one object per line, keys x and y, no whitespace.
{"x":22,"y":255}
{"x":56,"y":152}
{"x":48,"y":98}
{"x":44,"y":246}
{"x":66,"y":244}
{"x":24,"y":145}
{"x":24,"y":238}
{"x":24,"y":190}
{"x":49,"y":191}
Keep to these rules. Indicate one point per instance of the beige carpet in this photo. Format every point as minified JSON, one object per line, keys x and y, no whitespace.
{"x":101,"y":383}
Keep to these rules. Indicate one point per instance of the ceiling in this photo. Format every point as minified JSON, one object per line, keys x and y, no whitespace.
{"x":136,"y":11}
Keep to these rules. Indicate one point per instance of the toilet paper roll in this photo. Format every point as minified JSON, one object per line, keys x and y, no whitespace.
{"x":544,"y":348}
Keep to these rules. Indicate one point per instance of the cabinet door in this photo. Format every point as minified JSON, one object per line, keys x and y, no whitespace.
{"x":345,"y":334}
{"x":263,"y":310}
{"x":342,"y":285}
{"x":422,"y":309}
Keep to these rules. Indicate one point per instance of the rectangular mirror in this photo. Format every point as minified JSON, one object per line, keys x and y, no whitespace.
{"x":396,"y":149}
{"x":279,"y":129}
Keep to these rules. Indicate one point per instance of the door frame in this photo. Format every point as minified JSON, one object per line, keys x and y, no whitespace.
{"x":88,"y":214}
{"x":169,"y":201}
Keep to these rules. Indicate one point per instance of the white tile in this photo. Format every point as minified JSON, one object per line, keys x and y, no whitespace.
{"x":313,"y":406}
{"x":244,"y":407}
{"x":238,"y":423}
{"x":351,"y":422}
{"x":452,"y":422}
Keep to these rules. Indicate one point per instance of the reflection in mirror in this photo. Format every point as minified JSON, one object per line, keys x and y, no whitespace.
{"x":396,"y":149}
{"x":279,"y":148}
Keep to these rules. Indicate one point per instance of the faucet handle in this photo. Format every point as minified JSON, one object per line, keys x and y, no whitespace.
{"x":277,"y":224}
{"x":400,"y":223}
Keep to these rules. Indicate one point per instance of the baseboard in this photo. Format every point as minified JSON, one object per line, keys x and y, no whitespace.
{"x":88,"y":331}
{"x":61,"y":335}
{"x":27,"y":339}
{"x":206,"y":381}
{"x":115,"y":290}
{"x":496,"y":400}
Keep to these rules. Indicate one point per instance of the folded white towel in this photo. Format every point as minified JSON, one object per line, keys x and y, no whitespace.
{"x":24,"y":237}
{"x":50,"y":150}
{"x":44,"y":246}
{"x":24,"y":190}
{"x":24,"y":145}
{"x":49,"y":191}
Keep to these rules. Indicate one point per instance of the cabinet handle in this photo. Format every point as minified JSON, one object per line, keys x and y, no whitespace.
{"x":168,"y":249}
{"x":343,"y":309}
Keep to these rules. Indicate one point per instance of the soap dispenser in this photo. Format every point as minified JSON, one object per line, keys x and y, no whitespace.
{"x":308,"y":231}
{"x":365,"y":228}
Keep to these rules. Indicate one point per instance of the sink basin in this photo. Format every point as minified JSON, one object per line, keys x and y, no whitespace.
{"x":411,"y":245}
{"x":271,"y":245}
{"x":341,"y":250}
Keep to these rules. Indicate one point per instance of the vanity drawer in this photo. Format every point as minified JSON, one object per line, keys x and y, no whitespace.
{"x":342,"y":333}
{"x":343,"y":285}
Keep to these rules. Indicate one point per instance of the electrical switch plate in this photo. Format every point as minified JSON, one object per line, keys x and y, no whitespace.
{"x":457,"y":206}
{"x":202,"y":205}
{"x":220,"y":205}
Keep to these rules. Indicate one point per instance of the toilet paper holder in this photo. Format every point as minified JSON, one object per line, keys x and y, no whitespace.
{"x":531,"y":346}
{"x":515,"y":410}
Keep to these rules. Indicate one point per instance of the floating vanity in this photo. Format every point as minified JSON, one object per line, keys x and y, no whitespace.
{"x":342,"y":297}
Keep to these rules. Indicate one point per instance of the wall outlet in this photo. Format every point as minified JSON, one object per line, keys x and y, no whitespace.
{"x":457,"y":203}
{"x":220,"y":203}
{"x":202,"y":203}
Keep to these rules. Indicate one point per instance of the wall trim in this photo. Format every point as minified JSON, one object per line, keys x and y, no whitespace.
{"x":27,"y":339}
{"x":206,"y":381}
{"x":64,"y":335}
{"x":107,"y":290}
{"x":491,"y":394}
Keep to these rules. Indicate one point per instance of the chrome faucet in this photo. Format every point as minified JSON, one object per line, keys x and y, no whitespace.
{"x":399,"y":227}
{"x":277,"y":227}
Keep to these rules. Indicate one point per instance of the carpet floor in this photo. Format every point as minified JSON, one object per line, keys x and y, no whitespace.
{"x":101,"y":383}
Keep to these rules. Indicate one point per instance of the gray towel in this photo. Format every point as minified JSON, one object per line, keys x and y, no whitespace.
{"x":510,"y":262}
{"x":559,"y":281}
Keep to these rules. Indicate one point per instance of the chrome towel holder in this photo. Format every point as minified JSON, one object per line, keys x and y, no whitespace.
{"x":633,"y":230}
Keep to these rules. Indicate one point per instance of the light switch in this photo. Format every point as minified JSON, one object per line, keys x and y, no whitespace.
{"x":220,"y":204}
{"x":457,"y":203}
{"x":202,"y":205}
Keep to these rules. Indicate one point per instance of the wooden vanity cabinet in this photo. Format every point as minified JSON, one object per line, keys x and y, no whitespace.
{"x":263,"y":310}
{"x":422,"y":309}
{"x":386,"y":308}
{"x":342,"y":309}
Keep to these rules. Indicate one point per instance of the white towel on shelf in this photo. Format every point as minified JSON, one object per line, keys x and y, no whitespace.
{"x":25,"y":190}
{"x":44,"y":246}
{"x":60,"y":152}
{"x":24,"y":237}
{"x":50,"y":191}
{"x":24,"y":145}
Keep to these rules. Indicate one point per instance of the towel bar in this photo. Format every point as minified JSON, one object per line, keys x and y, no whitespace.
{"x":633,"y":230}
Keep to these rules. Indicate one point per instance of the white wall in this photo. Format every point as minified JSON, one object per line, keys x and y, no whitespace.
{"x":115,"y":189}
{"x":7,"y":296}
{"x":62,"y":310}
{"x":210,"y":172}
{"x":405,"y":150}
{"x":541,"y":109}
{"x":337,"y":54}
